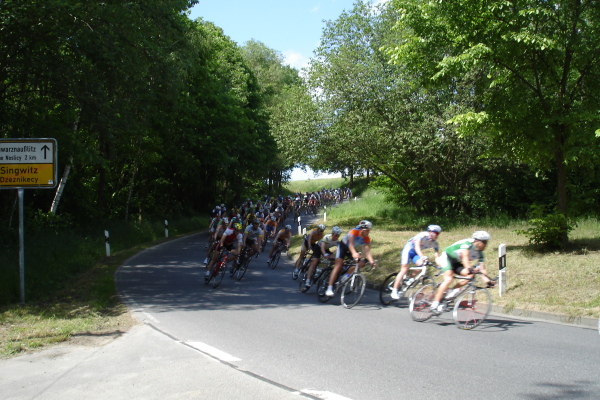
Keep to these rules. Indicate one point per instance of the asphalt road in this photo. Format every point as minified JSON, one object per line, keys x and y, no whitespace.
{"x":260,"y":338}
{"x":264,"y":326}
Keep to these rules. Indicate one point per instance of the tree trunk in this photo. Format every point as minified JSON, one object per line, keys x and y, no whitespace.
{"x":67,"y":171}
{"x":561,"y":177}
{"x":61,"y":186}
{"x":131,"y":183}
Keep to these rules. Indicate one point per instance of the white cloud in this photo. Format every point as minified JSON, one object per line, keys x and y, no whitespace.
{"x":294,"y":59}
{"x":315,"y":9}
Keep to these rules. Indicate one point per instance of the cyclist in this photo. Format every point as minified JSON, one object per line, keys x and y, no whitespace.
{"x":456,"y":259}
{"x":231,"y":238}
{"x":413,"y":253}
{"x":323,"y":249}
{"x":283,"y":238}
{"x":253,"y":237}
{"x":216,"y":236}
{"x":310,"y":242}
{"x":358,"y":236}
{"x":270,"y":225}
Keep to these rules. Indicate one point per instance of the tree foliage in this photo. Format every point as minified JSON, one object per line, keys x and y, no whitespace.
{"x":537,"y":67}
{"x":159,"y":114}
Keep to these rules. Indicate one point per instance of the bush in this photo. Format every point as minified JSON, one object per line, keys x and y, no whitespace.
{"x":547,"y":229}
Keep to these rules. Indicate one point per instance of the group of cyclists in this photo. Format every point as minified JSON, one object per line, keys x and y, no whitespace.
{"x":251,"y":224}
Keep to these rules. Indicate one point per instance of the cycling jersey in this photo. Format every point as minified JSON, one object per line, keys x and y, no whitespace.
{"x":328,"y":241}
{"x":315,"y":235}
{"x":253,"y":234}
{"x":231,"y":236}
{"x":358,"y":240}
{"x":454,"y":251}
{"x":424,"y":241}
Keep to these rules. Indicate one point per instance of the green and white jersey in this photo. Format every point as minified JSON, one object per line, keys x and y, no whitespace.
{"x":456,"y":250}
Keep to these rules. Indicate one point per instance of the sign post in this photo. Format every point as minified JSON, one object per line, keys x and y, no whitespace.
{"x":502,"y":269}
{"x":27,"y":164}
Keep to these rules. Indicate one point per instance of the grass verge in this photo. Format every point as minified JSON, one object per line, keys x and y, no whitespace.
{"x":87,"y":312}
{"x":562,"y":282}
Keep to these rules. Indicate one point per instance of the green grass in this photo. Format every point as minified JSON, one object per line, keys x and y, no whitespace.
{"x":68,"y":292}
{"x":564,"y":282}
{"x":313,"y":185}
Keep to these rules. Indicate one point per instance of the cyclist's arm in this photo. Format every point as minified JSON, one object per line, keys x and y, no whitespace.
{"x":351,"y":247}
{"x":366,"y":249}
{"x":418,"y":248}
{"x":464,"y":258}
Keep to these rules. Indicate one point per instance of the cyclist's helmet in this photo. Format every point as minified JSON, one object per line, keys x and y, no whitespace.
{"x":321,"y":227}
{"x":434,"y":228}
{"x":481,"y":235}
{"x":224,"y":221}
{"x":364,"y":224}
{"x":237,"y":226}
{"x":288,"y":227}
{"x":255,"y":221}
{"x":336,"y":230}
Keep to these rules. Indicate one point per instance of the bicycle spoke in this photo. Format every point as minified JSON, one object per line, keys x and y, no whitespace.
{"x":471,"y":308}
{"x":353,"y":290}
{"x":421,"y":302}
{"x":386,"y":290}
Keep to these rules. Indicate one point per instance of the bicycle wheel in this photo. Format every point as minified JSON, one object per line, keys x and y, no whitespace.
{"x":275,"y":260}
{"x":302,"y":281}
{"x":421,"y":302}
{"x":322,"y":288}
{"x":303,"y":267}
{"x":218,"y":275}
{"x":241,"y":269}
{"x":411,"y":289}
{"x":472,"y":307}
{"x":385,"y":292}
{"x":353,"y":290}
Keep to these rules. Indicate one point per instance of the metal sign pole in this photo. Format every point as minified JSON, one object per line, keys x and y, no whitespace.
{"x":21,"y":247}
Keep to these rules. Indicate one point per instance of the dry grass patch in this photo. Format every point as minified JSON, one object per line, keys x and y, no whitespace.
{"x":564,"y":282}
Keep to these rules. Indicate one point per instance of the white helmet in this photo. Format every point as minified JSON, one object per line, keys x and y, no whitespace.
{"x":434,"y":228}
{"x":336,"y":230}
{"x":288,"y":227}
{"x":481,"y":235}
{"x":364,"y":224}
{"x":321,"y":227}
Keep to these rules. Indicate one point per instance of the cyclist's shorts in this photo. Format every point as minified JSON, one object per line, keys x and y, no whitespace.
{"x":342,"y":251}
{"x":409,"y":255}
{"x":448,"y":264}
{"x":269,"y":229}
{"x":316,"y":251}
{"x":250,"y":242}
{"x":229,"y":247}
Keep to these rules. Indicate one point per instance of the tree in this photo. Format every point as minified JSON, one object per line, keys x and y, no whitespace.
{"x":537,"y":67}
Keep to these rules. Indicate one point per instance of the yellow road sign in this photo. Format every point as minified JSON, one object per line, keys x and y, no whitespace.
{"x":27,"y":163}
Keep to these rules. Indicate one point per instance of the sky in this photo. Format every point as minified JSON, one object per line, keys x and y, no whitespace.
{"x":291,"y":27}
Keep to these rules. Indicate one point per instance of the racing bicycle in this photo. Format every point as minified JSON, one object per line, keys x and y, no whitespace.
{"x":416,"y":277}
{"x":350,"y":285}
{"x":470,"y":306}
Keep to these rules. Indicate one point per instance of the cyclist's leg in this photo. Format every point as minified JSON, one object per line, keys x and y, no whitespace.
{"x":300,"y":259}
{"x":339,"y":261}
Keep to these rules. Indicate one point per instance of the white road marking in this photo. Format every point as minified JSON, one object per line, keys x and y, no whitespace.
{"x":324,"y":395}
{"x":221,"y":355}
{"x":151,"y":318}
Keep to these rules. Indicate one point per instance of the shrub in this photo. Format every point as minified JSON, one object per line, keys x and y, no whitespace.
{"x":547,"y":229}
